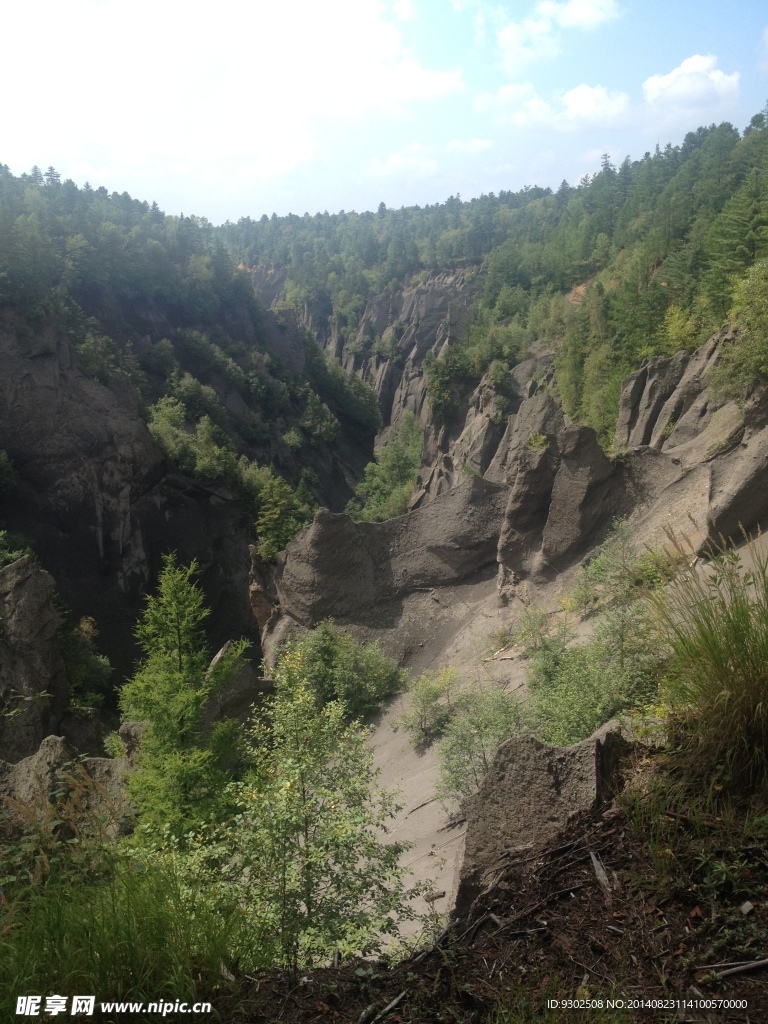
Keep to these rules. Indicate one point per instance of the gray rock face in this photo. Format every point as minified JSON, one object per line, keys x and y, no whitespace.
{"x":489,"y":444}
{"x":541,"y":413}
{"x":643,"y":396}
{"x":30,"y":660}
{"x":336,"y":567}
{"x":404,"y":326}
{"x":527,"y":510}
{"x":237,"y":699}
{"x":96,"y":498}
{"x":100,"y":782}
{"x":528,"y":794}
{"x":580,"y":494}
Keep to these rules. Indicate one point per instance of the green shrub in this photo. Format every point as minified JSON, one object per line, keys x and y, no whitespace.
{"x":202,"y":451}
{"x":303,"y":862}
{"x":447,"y":378}
{"x":618,"y":573}
{"x":482,"y":720}
{"x":89,"y":673}
{"x":745,"y":360}
{"x":387,"y":483}
{"x":713,"y":623}
{"x":159,"y":359}
{"x":318,"y":422}
{"x":113,"y":745}
{"x":198,"y":399}
{"x":537,"y":443}
{"x":575,"y":690}
{"x":430,"y":705}
{"x":282,"y":513}
{"x":336,"y":667}
{"x":10,"y":549}
{"x":97,"y":356}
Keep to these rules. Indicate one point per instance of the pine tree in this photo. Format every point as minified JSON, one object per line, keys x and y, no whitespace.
{"x":180,"y":775}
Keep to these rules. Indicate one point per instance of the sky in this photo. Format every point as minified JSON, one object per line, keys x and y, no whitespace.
{"x":236,"y":108}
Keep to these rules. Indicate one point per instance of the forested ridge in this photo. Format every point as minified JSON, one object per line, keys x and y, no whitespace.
{"x":228,"y":390}
{"x":653,"y":248}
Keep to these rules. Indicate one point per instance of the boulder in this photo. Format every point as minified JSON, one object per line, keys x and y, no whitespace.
{"x":97,"y":784}
{"x":33,"y":683}
{"x":528,"y":794}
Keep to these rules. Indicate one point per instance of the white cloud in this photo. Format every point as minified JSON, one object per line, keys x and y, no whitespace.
{"x":404,"y":10}
{"x":581,"y":13}
{"x":538,"y":37}
{"x":521,"y":105}
{"x":254,"y":92}
{"x":420,"y":160}
{"x":593,"y":104}
{"x":694,"y":84}
{"x":413,"y":159}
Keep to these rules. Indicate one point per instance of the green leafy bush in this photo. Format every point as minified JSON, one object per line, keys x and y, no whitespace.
{"x":430,"y":705}
{"x":302,"y":862}
{"x":745,"y":360}
{"x":537,"y":443}
{"x":387,"y":483}
{"x":201,"y":451}
{"x":336,"y":667}
{"x":318,"y":422}
{"x":98,"y":356}
{"x":447,"y":378}
{"x":282,"y":513}
{"x":575,"y":690}
{"x":713,"y":624}
{"x":618,"y":572}
{"x":481,"y":721}
{"x":89,"y":673}
{"x":10,"y":549}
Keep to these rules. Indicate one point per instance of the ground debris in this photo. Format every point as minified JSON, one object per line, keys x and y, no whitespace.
{"x":581,"y":913}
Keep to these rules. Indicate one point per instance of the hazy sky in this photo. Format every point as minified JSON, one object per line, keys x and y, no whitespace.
{"x":232,"y":108}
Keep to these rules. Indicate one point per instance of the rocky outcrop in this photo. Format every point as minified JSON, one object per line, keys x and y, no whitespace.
{"x":644,"y":395}
{"x":237,"y":699}
{"x":98,"y":502}
{"x":528,"y":794}
{"x":719,"y":450}
{"x":501,"y":421}
{"x":362,"y":573}
{"x":698,"y":466}
{"x":580,"y":494}
{"x":96,"y":785}
{"x":343,"y":569}
{"x":33,"y":681}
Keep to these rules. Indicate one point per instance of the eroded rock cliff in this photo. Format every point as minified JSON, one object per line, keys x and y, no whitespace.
{"x":33,"y":683}
{"x":98,"y":502}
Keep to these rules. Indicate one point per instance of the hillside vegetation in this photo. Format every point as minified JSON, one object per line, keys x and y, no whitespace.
{"x":630,"y":262}
{"x":230,"y":394}
{"x":253,"y":852}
